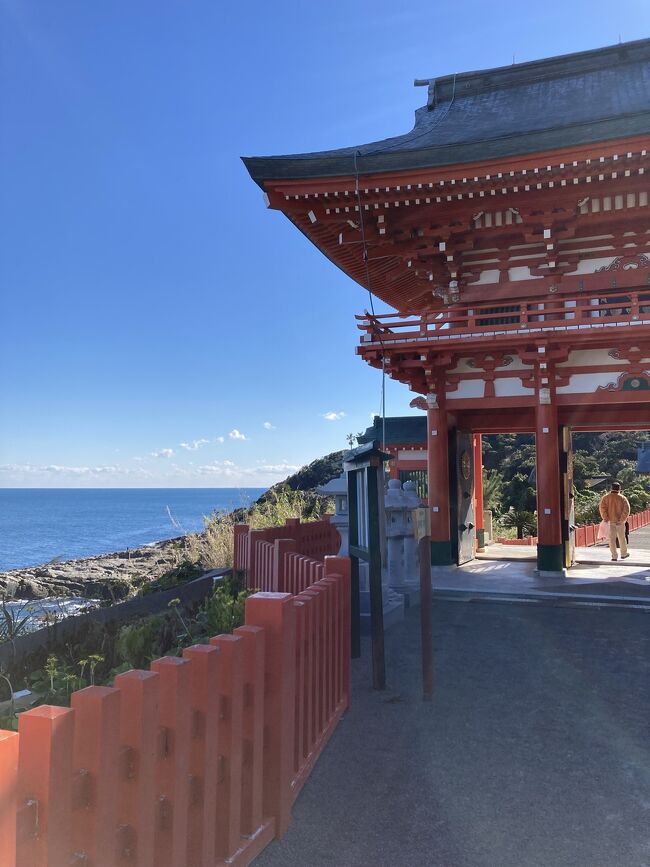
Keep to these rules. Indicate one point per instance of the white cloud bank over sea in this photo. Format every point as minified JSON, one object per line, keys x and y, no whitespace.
{"x":214,"y":474}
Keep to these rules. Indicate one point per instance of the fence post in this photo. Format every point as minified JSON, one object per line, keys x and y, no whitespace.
{"x":138,"y":719}
{"x":343,"y":566}
{"x":231,"y":676}
{"x":96,"y":749}
{"x":280,"y":548}
{"x":8,"y":800}
{"x":204,"y":746}
{"x":45,"y":787}
{"x":275,"y":613}
{"x":241,"y":531}
{"x":173,"y":761}
{"x":252,"y":727}
{"x":254,"y":536}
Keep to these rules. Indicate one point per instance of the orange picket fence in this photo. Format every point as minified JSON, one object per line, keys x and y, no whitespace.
{"x":587,"y":536}
{"x":195,"y":762}
{"x":269,"y":558}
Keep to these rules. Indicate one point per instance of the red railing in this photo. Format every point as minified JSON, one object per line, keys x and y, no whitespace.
{"x":586,"y":536}
{"x":195,"y":762}
{"x":588,"y":311}
{"x":261,"y":554}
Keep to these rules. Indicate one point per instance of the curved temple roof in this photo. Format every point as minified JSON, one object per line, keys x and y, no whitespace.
{"x":524,"y":108}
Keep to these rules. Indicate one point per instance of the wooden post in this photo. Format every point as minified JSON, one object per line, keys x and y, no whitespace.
{"x":478,"y":492}
{"x":376,"y":601}
{"x":231,"y":700}
{"x":8,"y":801}
{"x":421,"y":525}
{"x":280,"y":548}
{"x":138,"y":719}
{"x":355,"y":599}
{"x":239,"y":560}
{"x":252,"y":727}
{"x":438,"y":482}
{"x":173,"y":765}
{"x":44,"y":786}
{"x":96,"y":749}
{"x":204,"y":752}
{"x":275,"y":613}
{"x":550,"y":552}
{"x":426,"y":618}
{"x":341,"y":566}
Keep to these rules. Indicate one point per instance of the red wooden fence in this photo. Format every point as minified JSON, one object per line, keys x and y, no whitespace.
{"x":196,"y":762}
{"x":586,"y":536}
{"x":263,"y":555}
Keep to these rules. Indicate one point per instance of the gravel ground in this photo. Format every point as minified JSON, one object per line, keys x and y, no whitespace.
{"x":535,"y":751}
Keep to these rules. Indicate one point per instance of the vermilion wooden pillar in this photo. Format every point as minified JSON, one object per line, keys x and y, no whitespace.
{"x":478,"y":492}
{"x":438,"y":482}
{"x":549,"y":517}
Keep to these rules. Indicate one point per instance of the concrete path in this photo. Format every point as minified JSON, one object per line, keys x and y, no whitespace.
{"x":535,"y":753}
{"x":510,"y":570}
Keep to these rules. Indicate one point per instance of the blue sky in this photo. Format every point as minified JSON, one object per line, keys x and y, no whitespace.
{"x":160,"y":327}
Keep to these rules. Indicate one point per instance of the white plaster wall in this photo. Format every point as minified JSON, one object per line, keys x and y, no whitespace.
{"x":516,"y":364}
{"x":467,"y":388}
{"x":414,"y":455}
{"x":490,"y":275}
{"x":588,"y":266}
{"x":587,"y":358}
{"x":522,"y":272}
{"x":587,"y":383}
{"x":511,"y":386}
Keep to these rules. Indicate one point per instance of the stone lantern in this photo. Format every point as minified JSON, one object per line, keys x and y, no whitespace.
{"x":395,"y":531}
{"x":338,"y":488}
{"x":411,"y":559}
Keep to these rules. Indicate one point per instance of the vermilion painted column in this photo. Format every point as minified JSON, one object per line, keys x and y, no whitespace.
{"x":438,"y":481}
{"x":550,"y":556}
{"x":478,"y":492}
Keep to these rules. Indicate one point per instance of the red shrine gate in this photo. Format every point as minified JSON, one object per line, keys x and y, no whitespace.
{"x":509,"y":231}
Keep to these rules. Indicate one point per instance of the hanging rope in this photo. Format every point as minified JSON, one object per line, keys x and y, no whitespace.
{"x":364,"y":245}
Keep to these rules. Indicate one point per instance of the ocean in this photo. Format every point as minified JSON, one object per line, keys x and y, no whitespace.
{"x":38,"y":525}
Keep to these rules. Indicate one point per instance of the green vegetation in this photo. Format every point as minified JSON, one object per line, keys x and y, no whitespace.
{"x":598,"y":459}
{"x":101,"y":652}
{"x":213,"y":548}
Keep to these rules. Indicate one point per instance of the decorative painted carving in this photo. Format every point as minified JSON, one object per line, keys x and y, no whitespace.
{"x":628,"y":382}
{"x":634,"y":355}
{"x":627,"y":263}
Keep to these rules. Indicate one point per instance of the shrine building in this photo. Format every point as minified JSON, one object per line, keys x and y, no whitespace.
{"x":509,"y":232}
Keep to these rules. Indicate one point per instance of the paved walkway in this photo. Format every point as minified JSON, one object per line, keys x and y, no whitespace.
{"x":510,"y":571}
{"x":535,"y":753}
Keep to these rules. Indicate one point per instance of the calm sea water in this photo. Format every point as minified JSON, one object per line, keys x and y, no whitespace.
{"x":39,"y":525}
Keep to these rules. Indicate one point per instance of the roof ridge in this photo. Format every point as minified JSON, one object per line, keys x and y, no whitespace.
{"x":445,"y":88}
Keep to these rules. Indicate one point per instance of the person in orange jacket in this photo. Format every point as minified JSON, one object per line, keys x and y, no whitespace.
{"x":615,"y":508}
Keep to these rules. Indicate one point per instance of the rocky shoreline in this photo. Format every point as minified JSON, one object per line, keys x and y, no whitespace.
{"x":106,"y":576}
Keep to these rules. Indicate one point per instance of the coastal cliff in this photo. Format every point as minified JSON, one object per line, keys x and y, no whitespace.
{"x":116,"y":575}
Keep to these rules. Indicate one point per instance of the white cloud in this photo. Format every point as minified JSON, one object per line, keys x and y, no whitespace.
{"x":194,"y":445}
{"x":74,"y":471}
{"x":163,"y":453}
{"x":237,"y":435}
{"x":333,"y":416}
{"x":167,"y":473}
{"x":279,"y":469}
{"x":268,"y":426}
{"x":220,"y":440}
